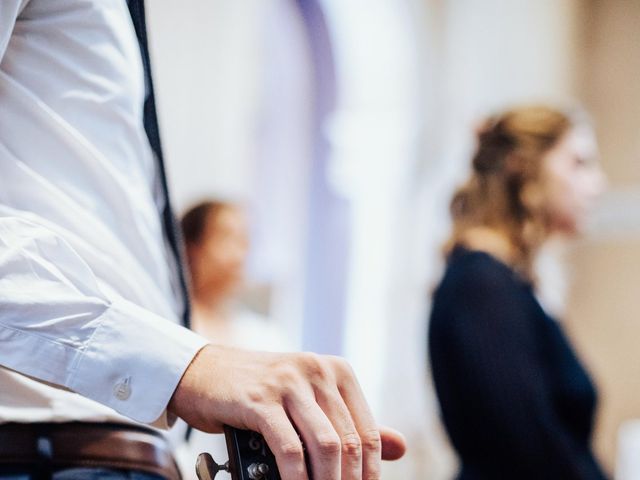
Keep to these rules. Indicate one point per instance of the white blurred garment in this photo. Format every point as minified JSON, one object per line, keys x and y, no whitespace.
{"x":88,"y":298}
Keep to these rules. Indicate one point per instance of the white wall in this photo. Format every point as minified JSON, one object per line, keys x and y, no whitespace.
{"x":233,"y":87}
{"x":207,"y":62}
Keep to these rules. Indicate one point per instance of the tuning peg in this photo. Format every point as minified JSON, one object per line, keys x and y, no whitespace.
{"x":258,"y":471}
{"x":207,"y":468}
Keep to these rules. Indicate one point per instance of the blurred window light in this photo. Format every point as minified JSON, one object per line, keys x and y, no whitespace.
{"x":373,"y":137}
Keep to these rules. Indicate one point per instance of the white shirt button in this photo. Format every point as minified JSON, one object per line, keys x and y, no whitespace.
{"x":122,"y":390}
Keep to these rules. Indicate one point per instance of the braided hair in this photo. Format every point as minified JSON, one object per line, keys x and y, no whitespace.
{"x":506,"y":165}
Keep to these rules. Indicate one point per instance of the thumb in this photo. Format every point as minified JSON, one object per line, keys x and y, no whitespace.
{"x":394,"y":445}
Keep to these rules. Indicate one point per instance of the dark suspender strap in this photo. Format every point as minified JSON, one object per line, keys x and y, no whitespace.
{"x":174,"y":236}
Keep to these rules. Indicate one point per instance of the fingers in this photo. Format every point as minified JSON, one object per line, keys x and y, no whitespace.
{"x":321,"y":440}
{"x":339,"y":402}
{"x":360,"y":412}
{"x":281,"y":395}
{"x":350,"y":444}
{"x":284,"y":443}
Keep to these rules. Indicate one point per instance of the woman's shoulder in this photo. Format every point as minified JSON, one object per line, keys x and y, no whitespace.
{"x":476,"y":280}
{"x":480,"y":290}
{"x":467,"y":267}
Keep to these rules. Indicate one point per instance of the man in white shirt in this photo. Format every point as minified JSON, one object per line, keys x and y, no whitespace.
{"x":90,"y":291}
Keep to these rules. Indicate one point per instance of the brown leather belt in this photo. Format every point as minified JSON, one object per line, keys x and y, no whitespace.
{"x":78,"y":444}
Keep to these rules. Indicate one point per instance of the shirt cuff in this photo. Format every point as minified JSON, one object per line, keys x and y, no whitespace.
{"x":134,"y":361}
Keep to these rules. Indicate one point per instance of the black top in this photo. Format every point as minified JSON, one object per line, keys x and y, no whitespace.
{"x":515,"y":400}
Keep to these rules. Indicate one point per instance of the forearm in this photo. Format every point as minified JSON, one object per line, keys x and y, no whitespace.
{"x":58,"y":326}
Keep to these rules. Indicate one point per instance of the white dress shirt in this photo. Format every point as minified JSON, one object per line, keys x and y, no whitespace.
{"x":87,"y":286}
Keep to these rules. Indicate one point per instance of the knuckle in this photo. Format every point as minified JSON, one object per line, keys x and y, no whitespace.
{"x":256,"y":397}
{"x":342,"y":367}
{"x":371,"y":441}
{"x":311,"y":360}
{"x":316,"y":368}
{"x":287,"y":374}
{"x":351,"y":445}
{"x":292,"y":451}
{"x":329,"y":445}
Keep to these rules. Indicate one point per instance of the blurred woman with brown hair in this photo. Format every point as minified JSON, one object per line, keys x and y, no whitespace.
{"x":515,"y":399}
{"x":216,"y":238}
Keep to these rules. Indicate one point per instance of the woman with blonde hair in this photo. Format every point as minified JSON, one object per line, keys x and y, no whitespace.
{"x":516,"y":401}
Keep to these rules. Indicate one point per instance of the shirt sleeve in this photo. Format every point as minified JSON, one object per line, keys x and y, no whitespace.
{"x":487,"y":352}
{"x":9,"y":11}
{"x":58,"y":326}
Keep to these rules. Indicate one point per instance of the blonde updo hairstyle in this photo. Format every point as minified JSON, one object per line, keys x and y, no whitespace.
{"x":501,"y":192}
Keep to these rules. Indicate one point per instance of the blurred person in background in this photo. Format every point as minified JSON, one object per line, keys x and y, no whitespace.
{"x":217,"y":243}
{"x":516,"y":401}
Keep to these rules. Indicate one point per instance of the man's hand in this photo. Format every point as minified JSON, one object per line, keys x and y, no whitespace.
{"x":289,"y":398}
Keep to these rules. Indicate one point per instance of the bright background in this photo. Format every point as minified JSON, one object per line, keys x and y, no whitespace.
{"x":344,"y":125}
